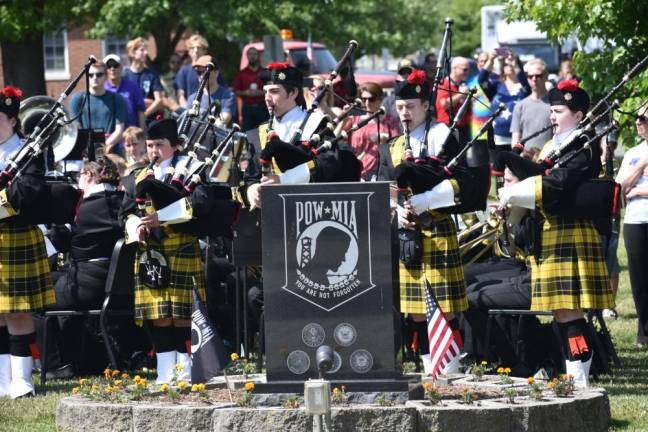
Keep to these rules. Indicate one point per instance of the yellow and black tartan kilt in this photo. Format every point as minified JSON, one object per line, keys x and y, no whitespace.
{"x":183,"y":257}
{"x":441,"y":268}
{"x":570,"y":272}
{"x":25,"y":280}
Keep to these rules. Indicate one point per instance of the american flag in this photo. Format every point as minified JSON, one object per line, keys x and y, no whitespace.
{"x":444,"y":345}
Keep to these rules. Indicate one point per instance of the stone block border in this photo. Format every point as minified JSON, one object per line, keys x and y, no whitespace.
{"x":587,"y":411}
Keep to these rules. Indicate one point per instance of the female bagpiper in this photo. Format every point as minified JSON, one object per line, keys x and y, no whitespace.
{"x":25,"y":282}
{"x":568,"y":272}
{"x":168,"y":259}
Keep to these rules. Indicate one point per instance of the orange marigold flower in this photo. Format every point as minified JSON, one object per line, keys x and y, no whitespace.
{"x":427,"y":386}
{"x":531,"y":380}
{"x":551,"y":385}
{"x":83,"y":382}
{"x":507,"y":370}
{"x":124,"y":376}
{"x":249,"y":386}
{"x":114,"y":373}
{"x":571,"y":376}
{"x":118,"y":382}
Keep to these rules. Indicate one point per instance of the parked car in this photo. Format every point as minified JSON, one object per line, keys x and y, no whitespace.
{"x":323,"y":62}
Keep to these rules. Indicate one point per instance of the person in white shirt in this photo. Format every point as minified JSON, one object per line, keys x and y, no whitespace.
{"x":633,"y":178}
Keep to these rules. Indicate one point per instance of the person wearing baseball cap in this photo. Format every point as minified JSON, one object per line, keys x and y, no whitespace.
{"x":128,"y":89}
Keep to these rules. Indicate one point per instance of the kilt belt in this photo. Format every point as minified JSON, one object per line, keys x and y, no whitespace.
{"x":183,"y":256}
{"x":441,"y":267}
{"x":25,"y":280}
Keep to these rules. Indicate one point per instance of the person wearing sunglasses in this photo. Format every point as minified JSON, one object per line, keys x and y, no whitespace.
{"x":633,"y":178}
{"x":366,"y":141}
{"x":108,"y":110}
{"x":531,"y":114}
{"x":213,"y":91}
{"x":129,"y":90}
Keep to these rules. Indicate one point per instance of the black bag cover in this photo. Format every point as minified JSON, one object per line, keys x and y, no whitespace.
{"x":411,"y":246}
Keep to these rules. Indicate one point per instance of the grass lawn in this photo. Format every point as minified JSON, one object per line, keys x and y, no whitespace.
{"x":628,"y":388}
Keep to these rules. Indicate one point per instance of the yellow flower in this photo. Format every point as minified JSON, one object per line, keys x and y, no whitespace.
{"x":507,"y":370}
{"x":500,"y":370}
{"x":107,"y":373}
{"x":115,"y":372}
{"x":249,"y":386}
{"x":108,"y":389}
{"x":179,"y":367}
{"x":124,"y":376}
{"x":336,"y":390}
{"x":571,"y":376}
{"x":427,"y":386}
{"x":201,"y":387}
{"x":94,"y":388}
{"x":563,"y":376}
{"x":164,"y":388}
{"x":75,"y":390}
{"x":484,"y":362}
{"x":118,"y":382}
{"x":234,"y":356}
{"x":530,"y":380}
{"x":136,"y":378}
{"x":83,"y":382}
{"x":182,"y":385}
{"x":194,"y":388}
{"x":551,"y":385}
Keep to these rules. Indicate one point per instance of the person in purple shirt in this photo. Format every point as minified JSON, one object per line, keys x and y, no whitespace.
{"x":127,"y":88}
{"x":222,"y":94}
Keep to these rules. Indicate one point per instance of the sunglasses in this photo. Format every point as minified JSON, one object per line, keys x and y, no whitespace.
{"x":199,"y":70}
{"x":95,"y":74}
{"x":112,"y":66}
{"x":641,"y":118}
{"x":368,"y":99}
{"x":536,"y":76}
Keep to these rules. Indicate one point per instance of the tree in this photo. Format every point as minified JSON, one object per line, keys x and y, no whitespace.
{"x":618,"y":23}
{"x":22,"y":25}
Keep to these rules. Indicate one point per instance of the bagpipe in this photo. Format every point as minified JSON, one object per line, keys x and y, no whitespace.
{"x":187,"y":199}
{"x":57,"y":200}
{"x":589,"y":198}
{"x":327,"y":162}
{"x":424,"y":173}
{"x":328,"y":83}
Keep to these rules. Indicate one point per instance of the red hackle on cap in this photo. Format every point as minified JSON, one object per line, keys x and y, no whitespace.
{"x":568,"y":85}
{"x":278,"y":65}
{"x":12,"y":92}
{"x":418,"y":77}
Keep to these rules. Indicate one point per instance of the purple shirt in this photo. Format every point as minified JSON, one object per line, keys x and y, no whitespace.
{"x":130,"y":91}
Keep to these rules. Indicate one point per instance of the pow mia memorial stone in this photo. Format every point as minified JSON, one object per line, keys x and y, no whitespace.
{"x":327,"y":276}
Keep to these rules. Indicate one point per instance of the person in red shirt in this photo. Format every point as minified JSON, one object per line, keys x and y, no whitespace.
{"x":445,"y":109}
{"x":365,"y":142}
{"x":249,"y":88}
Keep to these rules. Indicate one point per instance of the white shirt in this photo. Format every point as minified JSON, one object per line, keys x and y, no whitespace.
{"x":286,"y":126}
{"x":436,"y":137}
{"x":636,"y":208}
{"x":9,"y":149}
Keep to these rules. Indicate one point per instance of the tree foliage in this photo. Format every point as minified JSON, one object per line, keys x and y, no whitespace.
{"x":618,"y":23}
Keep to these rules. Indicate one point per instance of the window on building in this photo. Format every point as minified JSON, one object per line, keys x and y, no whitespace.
{"x":55,"y":56}
{"x":115,"y":45}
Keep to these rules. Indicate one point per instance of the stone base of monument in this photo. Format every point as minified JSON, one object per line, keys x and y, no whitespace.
{"x":586,"y":410}
{"x":374,"y":385}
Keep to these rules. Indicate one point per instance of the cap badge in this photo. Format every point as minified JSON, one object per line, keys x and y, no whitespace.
{"x":568,"y":96}
{"x":418,"y":89}
{"x":281,"y":76}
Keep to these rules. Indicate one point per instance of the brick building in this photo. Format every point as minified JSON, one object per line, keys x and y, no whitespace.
{"x":66,"y":52}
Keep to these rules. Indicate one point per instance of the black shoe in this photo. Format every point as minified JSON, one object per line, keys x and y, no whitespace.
{"x":64,"y":372}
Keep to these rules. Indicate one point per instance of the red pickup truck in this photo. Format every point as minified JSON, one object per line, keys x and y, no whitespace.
{"x":323,"y":62}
